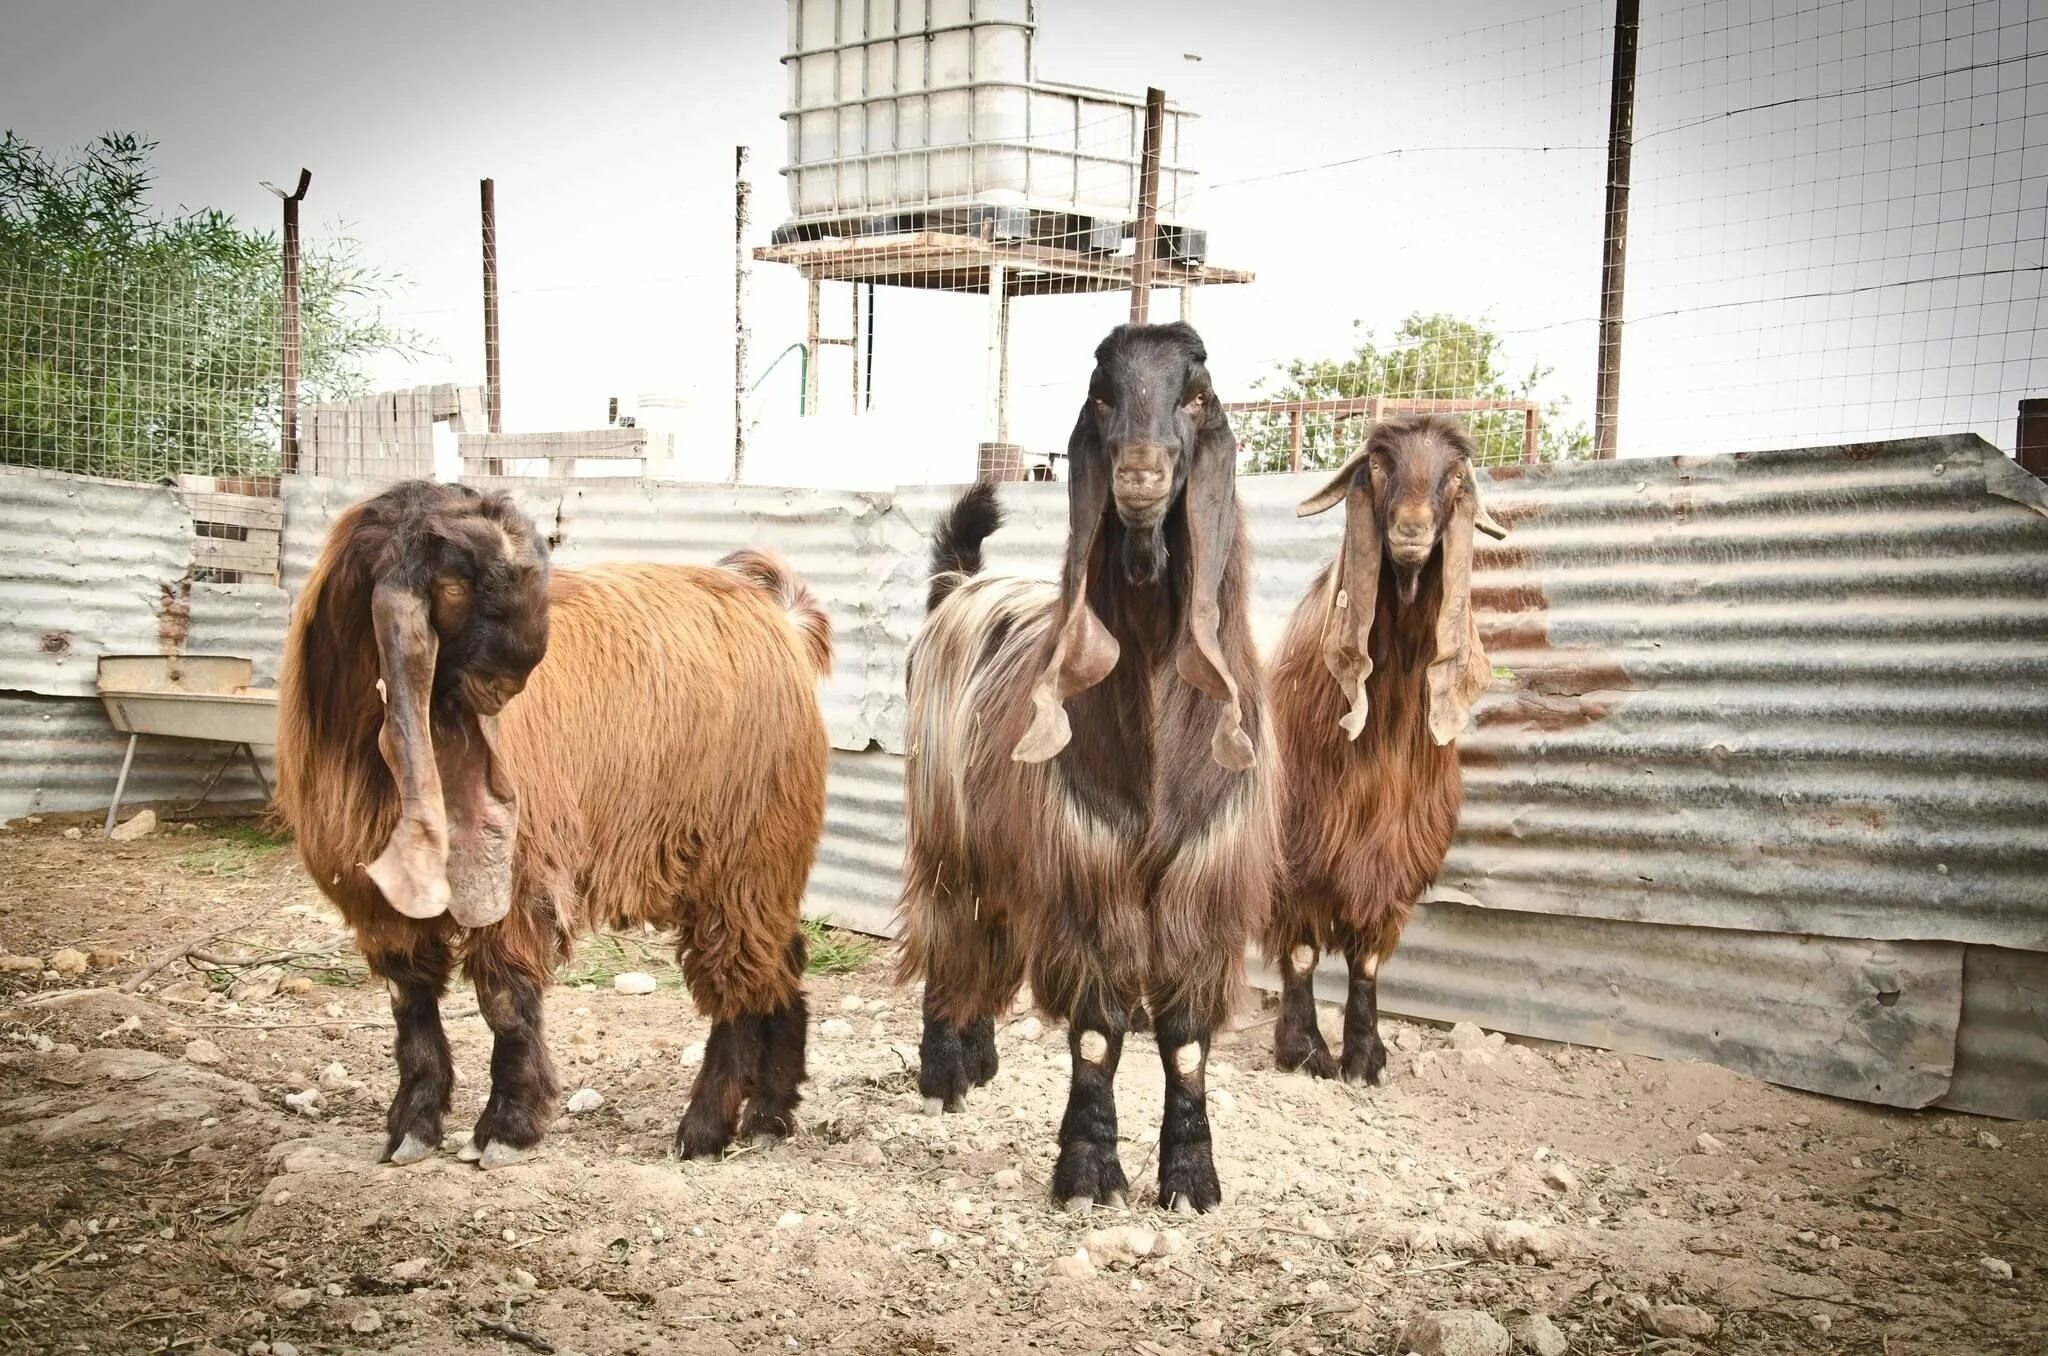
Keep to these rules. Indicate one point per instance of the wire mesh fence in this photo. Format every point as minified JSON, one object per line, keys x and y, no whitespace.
{"x":1838,"y":211}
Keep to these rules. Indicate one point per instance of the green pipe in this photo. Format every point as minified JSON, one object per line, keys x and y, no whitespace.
{"x":803,"y":379}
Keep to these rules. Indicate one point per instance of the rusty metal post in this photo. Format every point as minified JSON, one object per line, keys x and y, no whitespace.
{"x":1147,"y":253}
{"x":2030,"y":448}
{"x":740,"y":193}
{"x":1621,"y":118}
{"x":1294,"y":440}
{"x":494,"y":380}
{"x":289,"y":324}
{"x":1532,"y":435}
{"x":1003,"y":370}
{"x":811,"y":345}
{"x":853,"y":347}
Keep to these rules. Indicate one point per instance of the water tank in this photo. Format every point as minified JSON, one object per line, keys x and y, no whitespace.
{"x":912,"y":115}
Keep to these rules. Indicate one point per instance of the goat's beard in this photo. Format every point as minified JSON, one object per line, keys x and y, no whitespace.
{"x":1144,"y":553}
{"x":1408,"y":582}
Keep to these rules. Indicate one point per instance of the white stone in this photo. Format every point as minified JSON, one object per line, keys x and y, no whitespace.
{"x":635,"y":982}
{"x":411,"y":1269}
{"x":850,"y":1003}
{"x":1997,"y":1268}
{"x":1707,"y":1144}
{"x":1537,"y":1335}
{"x":1094,"y":1046}
{"x":306,"y":1103}
{"x":366,"y":1322}
{"x":141,"y":826}
{"x":202,"y":1051}
{"x":335,"y":1077}
{"x":68,"y":962}
{"x":1460,"y":1332}
{"x":1030,"y":1029}
{"x":584,"y":1100}
{"x":1467,"y":1036}
{"x":1076,"y":1267}
{"x":835,"y":1028}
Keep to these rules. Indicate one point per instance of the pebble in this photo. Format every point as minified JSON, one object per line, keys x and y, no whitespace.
{"x":1466,"y":1036}
{"x":74,"y":833}
{"x":524,"y":1279}
{"x":335,"y":1077}
{"x":334,"y":1290}
{"x":939,"y":1239}
{"x":1459,"y":1332}
{"x":294,"y":984}
{"x":1515,"y":1239}
{"x":141,"y":826}
{"x":1558,"y":1177}
{"x":70,"y":961}
{"x":1009,"y":1179}
{"x":1030,"y":1029}
{"x":283,"y":1349}
{"x":789,"y":1220}
{"x":1221,"y":1100}
{"x":291,"y":1299}
{"x":410,"y":1269}
{"x":368,"y":1321}
{"x":585,"y":1099}
{"x":635,"y":982}
{"x":1408,"y":1040}
{"x":21,"y":964}
{"x":1537,"y":1335}
{"x":1206,"y":1330}
{"x":1679,"y":1320}
{"x":1997,"y":1268}
{"x":1121,"y":1244}
{"x":693,"y":1053}
{"x":1076,"y":1267}
{"x":1707,"y":1144}
{"x":836,"y":1028}
{"x":1802,"y":1121}
{"x":1820,"y":1322}
{"x":202,"y":1051}
{"x":306,"y":1103}
{"x":1985,"y":1139}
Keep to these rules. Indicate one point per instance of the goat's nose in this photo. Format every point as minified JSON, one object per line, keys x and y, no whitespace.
{"x":1141,"y":470}
{"x":1411,"y":527}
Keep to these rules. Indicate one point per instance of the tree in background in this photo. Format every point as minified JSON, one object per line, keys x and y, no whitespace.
{"x":135,"y":345}
{"x":1431,"y":356}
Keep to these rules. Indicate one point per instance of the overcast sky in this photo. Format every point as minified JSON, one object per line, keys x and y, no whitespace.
{"x":1837,"y":232}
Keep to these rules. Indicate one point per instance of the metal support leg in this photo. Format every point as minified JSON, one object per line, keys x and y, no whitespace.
{"x":257,"y":768}
{"x":120,"y":785}
{"x":219,"y":771}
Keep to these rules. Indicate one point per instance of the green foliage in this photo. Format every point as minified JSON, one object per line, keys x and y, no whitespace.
{"x":834,"y":952}
{"x":136,"y":345}
{"x":1431,"y":356}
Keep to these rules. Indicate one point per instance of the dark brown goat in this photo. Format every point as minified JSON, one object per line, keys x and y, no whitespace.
{"x":460,"y":796}
{"x":1090,"y":785}
{"x":1371,"y":685}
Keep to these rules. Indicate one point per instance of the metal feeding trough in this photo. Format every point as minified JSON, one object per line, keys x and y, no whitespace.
{"x":187,"y":697}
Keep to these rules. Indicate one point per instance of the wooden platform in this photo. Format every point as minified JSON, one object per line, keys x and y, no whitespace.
{"x":941,"y":261}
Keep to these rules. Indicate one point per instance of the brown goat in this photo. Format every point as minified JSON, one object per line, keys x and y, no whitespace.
{"x":664,"y":763}
{"x":1089,"y":795}
{"x":1372,"y":683}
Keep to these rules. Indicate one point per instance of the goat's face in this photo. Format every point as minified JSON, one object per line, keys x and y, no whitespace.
{"x":1148,"y":400}
{"x":1418,"y":470}
{"x":458,"y":604}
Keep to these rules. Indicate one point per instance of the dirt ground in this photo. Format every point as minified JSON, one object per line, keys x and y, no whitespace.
{"x":157,"y":1193}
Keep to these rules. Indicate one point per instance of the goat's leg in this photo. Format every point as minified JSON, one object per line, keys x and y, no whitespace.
{"x":426,"y":1071}
{"x":1297,"y":1039}
{"x":974,"y":971}
{"x":771,"y":1109}
{"x":1187,"y":1167}
{"x":1088,"y":1173}
{"x":523,"y":1087}
{"x":726,"y":1079}
{"x":1365,"y":1055}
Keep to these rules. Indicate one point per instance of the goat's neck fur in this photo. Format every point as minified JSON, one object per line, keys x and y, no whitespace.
{"x":1144,"y":719}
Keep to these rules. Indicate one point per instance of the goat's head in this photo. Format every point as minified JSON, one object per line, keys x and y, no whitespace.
{"x":1411,"y":498}
{"x":457,"y":597}
{"x":1151,"y":438}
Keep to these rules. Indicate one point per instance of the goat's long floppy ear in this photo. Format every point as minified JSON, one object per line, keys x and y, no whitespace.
{"x":1461,"y":670}
{"x":1354,"y":588}
{"x":1212,"y":527}
{"x":412,"y":870}
{"x":1083,"y":650}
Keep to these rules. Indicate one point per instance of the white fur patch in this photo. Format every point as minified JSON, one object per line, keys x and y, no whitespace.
{"x":1302,"y":958}
{"x":397,"y":994}
{"x":1094,"y":1045}
{"x":1371,"y":967}
{"x":1187,"y":1059}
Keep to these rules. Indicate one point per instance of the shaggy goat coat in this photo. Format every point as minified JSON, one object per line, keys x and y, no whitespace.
{"x":668,"y":759}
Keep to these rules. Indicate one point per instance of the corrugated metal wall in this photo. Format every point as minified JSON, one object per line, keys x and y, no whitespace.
{"x":1763,"y":777}
{"x":95,"y":567}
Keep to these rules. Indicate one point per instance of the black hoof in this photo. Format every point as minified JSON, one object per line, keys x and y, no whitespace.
{"x":1187,"y":1178}
{"x":978,"y":1051}
{"x":1088,"y":1174}
{"x":1365,"y":1063}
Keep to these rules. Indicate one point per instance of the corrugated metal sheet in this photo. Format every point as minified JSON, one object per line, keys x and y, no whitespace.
{"x":1763,"y":777}
{"x":59,"y":753}
{"x":1874,"y":1021}
{"x":2002,"y":1047}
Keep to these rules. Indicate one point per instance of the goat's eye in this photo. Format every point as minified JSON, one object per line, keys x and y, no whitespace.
{"x":1101,"y":405}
